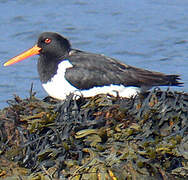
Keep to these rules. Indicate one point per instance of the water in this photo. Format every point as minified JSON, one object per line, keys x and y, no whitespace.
{"x":146,"y":33}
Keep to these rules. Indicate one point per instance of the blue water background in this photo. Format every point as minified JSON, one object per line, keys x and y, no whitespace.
{"x":146,"y":33}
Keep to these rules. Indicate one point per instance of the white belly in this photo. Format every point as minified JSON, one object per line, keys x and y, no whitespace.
{"x":59,"y":88}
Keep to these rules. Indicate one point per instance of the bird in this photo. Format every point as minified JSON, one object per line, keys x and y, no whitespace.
{"x":64,"y":70}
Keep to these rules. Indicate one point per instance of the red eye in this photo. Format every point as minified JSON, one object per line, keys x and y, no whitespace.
{"x":47,"y":41}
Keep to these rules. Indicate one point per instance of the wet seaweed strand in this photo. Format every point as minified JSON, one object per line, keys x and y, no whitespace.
{"x":101,"y":137}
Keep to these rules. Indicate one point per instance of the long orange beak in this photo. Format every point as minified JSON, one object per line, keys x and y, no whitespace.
{"x":30,"y":52}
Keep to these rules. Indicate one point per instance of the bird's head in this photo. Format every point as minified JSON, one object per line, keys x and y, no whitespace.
{"x":48,"y":44}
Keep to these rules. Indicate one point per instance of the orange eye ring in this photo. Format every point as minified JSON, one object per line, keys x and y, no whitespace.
{"x":47,"y":40}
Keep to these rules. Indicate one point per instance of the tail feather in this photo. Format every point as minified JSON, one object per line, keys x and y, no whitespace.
{"x":151,"y":78}
{"x":174,"y":80}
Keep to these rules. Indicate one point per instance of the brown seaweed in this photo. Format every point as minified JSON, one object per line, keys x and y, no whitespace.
{"x":101,"y":137}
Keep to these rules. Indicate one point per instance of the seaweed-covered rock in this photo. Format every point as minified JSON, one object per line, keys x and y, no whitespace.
{"x":101,"y":137}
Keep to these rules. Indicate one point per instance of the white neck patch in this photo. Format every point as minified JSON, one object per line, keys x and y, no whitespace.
{"x":58,"y":87}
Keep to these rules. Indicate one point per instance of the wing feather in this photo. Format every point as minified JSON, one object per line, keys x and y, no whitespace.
{"x":91,"y":70}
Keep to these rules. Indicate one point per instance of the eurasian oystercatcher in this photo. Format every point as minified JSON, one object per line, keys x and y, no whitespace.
{"x":64,"y":70}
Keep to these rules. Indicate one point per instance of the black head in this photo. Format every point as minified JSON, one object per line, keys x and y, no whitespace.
{"x":53,"y":45}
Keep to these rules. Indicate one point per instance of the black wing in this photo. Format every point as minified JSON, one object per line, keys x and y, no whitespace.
{"x":91,"y":70}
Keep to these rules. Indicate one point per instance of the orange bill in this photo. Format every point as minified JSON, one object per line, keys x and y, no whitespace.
{"x":30,"y":52}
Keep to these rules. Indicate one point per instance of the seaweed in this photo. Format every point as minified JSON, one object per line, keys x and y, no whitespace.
{"x":102,"y":137}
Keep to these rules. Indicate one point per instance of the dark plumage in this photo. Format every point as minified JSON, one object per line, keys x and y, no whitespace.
{"x":64,"y":70}
{"x":91,"y":69}
{"x":102,"y":70}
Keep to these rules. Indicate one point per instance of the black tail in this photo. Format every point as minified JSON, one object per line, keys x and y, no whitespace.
{"x":174,"y":80}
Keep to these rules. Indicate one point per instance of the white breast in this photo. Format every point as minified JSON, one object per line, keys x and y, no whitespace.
{"x":58,"y":87}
